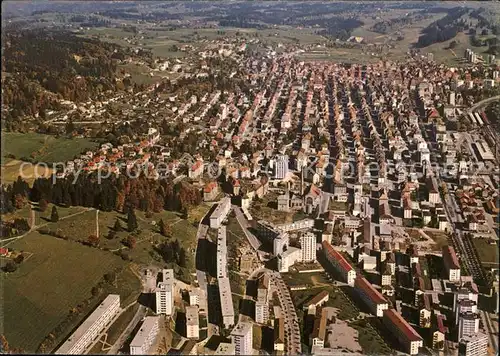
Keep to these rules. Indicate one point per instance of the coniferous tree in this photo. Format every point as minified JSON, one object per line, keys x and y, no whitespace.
{"x":54,"y":216}
{"x":165,"y":229}
{"x":131,"y":220}
{"x":182,"y":257}
{"x":118,"y":226}
{"x":42,"y":205}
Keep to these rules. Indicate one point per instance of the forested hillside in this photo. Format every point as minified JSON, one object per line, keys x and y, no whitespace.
{"x":41,"y":67}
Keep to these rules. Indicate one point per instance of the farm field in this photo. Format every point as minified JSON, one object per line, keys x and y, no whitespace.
{"x":42,"y":148}
{"x":58,"y":276}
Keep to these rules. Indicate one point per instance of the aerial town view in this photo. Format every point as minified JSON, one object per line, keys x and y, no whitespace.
{"x":250,"y":177}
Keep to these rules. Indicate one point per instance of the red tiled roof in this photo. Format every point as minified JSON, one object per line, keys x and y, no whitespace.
{"x":450,"y":257}
{"x":440,"y":324}
{"x":397,"y":320}
{"x":331,"y":252}
{"x":196,"y":165}
{"x":210,"y":186}
{"x":370,"y":291}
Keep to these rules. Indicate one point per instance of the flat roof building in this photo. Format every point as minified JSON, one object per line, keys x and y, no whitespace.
{"x":221,"y":252}
{"x":242,"y":337}
{"x":95,"y":323}
{"x":451,"y":264}
{"x":476,"y":345}
{"x":192,"y":322}
{"x":220,"y":213}
{"x":145,"y":337}
{"x":226,"y":301}
{"x":165,"y":293}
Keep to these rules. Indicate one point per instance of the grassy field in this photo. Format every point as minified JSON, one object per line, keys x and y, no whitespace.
{"x":28,"y":171}
{"x":313,"y":279}
{"x":369,"y":340}
{"x":42,"y":148}
{"x":346,"y":309}
{"x":56,"y":278}
{"x":42,"y":218}
{"x":440,"y":238}
{"x":488,"y":254}
{"x":443,"y":54}
{"x":79,"y":227}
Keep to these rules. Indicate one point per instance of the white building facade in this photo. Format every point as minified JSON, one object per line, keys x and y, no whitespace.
{"x":165,"y":293}
{"x":82,"y":338}
{"x":308,"y":247}
{"x":242,"y":337}
{"x":146,"y":336}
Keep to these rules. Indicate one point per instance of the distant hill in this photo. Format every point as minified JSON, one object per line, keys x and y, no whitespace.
{"x":39,"y":68}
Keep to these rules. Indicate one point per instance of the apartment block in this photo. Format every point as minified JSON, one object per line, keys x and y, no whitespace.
{"x":409,"y":339}
{"x":96,"y":322}
{"x":165,"y":293}
{"x":242,"y":338}
{"x":146,"y":336}
{"x":261,"y":306}
{"x":308,"y":247}
{"x":221,"y":252}
{"x":468,"y":325}
{"x":289,"y":258}
{"x":451,"y":264}
{"x":220,"y":213}
{"x":371,"y":296}
{"x":476,"y":345}
{"x":226,"y":301}
{"x":192,"y":323}
{"x":339,"y":263}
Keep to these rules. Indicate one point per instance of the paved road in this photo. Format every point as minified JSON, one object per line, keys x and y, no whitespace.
{"x":482,"y":103}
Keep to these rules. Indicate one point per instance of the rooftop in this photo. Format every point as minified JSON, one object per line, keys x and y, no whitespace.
{"x":370,"y":290}
{"x":397,"y":320}
{"x":149,"y":323}
{"x":88,"y":323}
{"x":331,"y":252}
